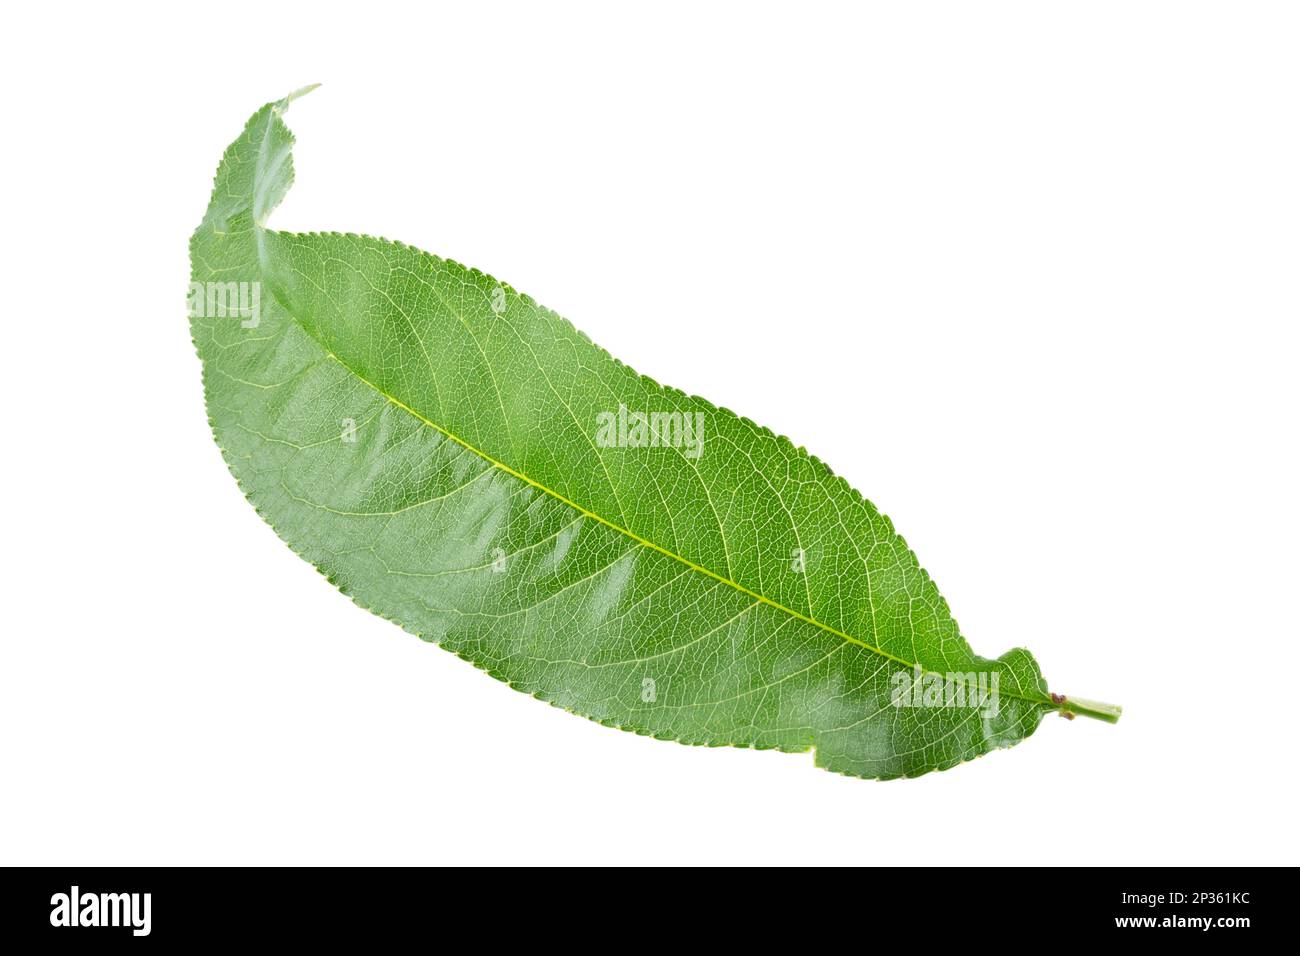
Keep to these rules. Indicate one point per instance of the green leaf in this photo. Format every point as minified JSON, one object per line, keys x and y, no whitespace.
{"x":466,"y":463}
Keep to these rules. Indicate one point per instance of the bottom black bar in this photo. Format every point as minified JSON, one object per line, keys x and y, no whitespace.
{"x":1055,"y":905}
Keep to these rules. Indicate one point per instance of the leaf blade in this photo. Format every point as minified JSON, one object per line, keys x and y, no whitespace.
{"x":474,"y":432}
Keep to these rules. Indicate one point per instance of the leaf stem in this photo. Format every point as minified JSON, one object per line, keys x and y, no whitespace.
{"x":1091,"y":708}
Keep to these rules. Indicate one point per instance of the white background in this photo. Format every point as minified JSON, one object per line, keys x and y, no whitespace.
{"x":1026,"y":274}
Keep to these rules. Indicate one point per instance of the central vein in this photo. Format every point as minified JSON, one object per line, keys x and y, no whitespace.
{"x":644,"y":542}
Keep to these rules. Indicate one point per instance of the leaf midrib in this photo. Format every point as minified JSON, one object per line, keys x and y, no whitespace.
{"x":644,"y":542}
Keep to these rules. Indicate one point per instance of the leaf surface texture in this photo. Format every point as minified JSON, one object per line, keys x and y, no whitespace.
{"x":428,"y":438}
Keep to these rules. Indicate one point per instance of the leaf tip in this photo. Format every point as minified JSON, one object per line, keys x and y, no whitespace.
{"x":301,"y":91}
